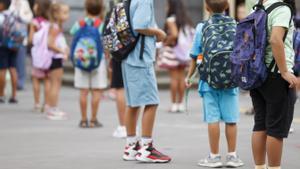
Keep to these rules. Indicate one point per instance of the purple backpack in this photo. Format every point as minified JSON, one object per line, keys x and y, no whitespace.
{"x":249,"y":70}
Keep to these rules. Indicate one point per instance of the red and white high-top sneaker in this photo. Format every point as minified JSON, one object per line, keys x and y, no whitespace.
{"x":149,"y":154}
{"x":131,"y":151}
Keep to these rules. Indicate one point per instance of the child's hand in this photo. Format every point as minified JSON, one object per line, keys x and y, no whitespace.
{"x":188,"y":83}
{"x":161,"y":35}
{"x":290,"y":78}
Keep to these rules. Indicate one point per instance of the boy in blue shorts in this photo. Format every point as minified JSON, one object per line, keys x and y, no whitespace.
{"x":141,"y":86}
{"x":220,"y":97}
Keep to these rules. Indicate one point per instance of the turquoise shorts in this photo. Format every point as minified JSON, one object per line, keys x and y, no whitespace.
{"x":221,"y":105}
{"x":140,"y":85}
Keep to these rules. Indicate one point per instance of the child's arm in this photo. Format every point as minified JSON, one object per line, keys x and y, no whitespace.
{"x":31,"y":32}
{"x":192,"y":70}
{"x":160,"y":34}
{"x":53,"y":33}
{"x":278,"y":50}
{"x":172,"y":33}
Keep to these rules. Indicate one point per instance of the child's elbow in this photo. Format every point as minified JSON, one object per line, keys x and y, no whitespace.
{"x":274,"y":41}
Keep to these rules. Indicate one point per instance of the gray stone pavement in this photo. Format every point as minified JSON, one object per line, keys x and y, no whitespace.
{"x":29,"y":141}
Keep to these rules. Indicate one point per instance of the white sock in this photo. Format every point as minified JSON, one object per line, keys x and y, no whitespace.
{"x":260,"y":166}
{"x":274,"y":167}
{"x":214,"y":155}
{"x":131,"y":140}
{"x":232,"y":154}
{"x":146,"y":141}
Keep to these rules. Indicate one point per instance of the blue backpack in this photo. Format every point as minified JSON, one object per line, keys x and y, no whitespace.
{"x":218,"y":37}
{"x":249,"y":70}
{"x":87,"y":49}
{"x":297,"y":51}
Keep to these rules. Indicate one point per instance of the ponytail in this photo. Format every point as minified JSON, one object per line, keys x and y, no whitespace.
{"x":292,"y":3}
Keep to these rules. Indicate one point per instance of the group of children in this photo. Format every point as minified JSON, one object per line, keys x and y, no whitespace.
{"x":137,"y":76}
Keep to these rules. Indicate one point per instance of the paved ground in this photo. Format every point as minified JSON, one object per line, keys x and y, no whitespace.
{"x":29,"y":141}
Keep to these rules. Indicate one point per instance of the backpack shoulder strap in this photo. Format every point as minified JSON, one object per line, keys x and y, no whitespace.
{"x":82,"y":23}
{"x":97,"y":23}
{"x":276,"y":5}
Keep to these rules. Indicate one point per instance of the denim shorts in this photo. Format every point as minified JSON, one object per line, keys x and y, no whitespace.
{"x":140,"y":85}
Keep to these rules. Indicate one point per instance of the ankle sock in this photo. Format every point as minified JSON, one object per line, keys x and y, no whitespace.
{"x":131,"y":140}
{"x":260,"y":166}
{"x":274,"y":167}
{"x":146,"y":141}
{"x":214,"y":155}
{"x":232,"y":154}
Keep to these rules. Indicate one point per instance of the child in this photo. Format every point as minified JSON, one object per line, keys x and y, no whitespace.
{"x":59,"y":13}
{"x":41,"y":15}
{"x":274,"y":101}
{"x":141,"y":86}
{"x":219,"y":104}
{"x":8,"y":61}
{"x":96,"y":80}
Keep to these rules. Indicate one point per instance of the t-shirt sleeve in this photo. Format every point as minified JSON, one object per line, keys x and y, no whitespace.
{"x":197,"y":44}
{"x":281,"y":17}
{"x":142,"y":15}
{"x":74,"y":28}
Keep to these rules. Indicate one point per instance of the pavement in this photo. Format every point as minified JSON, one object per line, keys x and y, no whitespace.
{"x":29,"y":141}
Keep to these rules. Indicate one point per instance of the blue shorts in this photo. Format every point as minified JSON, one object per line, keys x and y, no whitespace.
{"x":140,"y":85}
{"x":221,"y":105}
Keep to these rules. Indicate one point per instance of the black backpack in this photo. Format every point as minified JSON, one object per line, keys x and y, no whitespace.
{"x":118,"y":36}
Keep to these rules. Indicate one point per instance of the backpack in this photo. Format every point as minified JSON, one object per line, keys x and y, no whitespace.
{"x":218,"y":36}
{"x":184,"y":42}
{"x":118,"y":36}
{"x":13,"y":30}
{"x":87,"y":49}
{"x":249,"y":70}
{"x":41,"y":55}
{"x":297,"y":51}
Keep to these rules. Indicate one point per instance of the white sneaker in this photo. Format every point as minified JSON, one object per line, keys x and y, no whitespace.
{"x":131,"y":151}
{"x":56,"y":114}
{"x":174,"y":108}
{"x":120,"y":132}
{"x":211,"y":162}
{"x":181,"y":108}
{"x":148,"y":154}
{"x":233,"y":161}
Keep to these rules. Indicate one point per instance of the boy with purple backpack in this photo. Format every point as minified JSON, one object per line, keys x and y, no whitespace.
{"x":211,"y":49}
{"x":266,"y":69}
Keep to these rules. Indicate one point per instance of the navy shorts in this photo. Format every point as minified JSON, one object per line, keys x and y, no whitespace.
{"x":8,"y":58}
{"x":117,"y":78}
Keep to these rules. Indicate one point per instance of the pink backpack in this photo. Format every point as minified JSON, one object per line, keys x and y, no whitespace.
{"x":41,"y":55}
{"x":184,"y":43}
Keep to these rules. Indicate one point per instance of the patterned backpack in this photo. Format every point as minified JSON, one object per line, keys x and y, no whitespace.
{"x":249,"y":70}
{"x":13,"y":30}
{"x":87,"y":49}
{"x":218,"y":37}
{"x":118,"y":36}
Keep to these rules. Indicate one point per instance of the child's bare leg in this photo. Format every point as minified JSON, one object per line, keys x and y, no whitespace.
{"x":274,"y":151}
{"x":55,"y":80}
{"x":181,"y":84}
{"x":83,"y":103}
{"x":121,"y":106}
{"x":2,"y":81}
{"x":148,"y":120}
{"x":231,"y":136}
{"x":14,"y":81}
{"x":214,"y":137}
{"x":96,"y":95}
{"x":174,"y":85}
{"x":47,"y":88}
{"x":36,"y":90}
{"x":131,"y":117}
{"x":259,"y":147}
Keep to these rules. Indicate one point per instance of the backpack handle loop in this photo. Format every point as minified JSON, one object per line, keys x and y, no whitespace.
{"x":259,"y":5}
